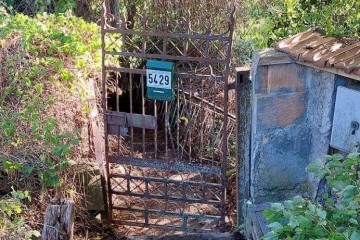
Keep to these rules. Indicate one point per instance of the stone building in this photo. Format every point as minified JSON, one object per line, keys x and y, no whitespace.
{"x":305,"y":104}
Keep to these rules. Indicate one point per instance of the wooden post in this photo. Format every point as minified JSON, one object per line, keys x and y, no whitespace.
{"x":59,"y":221}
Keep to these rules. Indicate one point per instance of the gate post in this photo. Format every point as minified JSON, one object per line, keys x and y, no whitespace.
{"x":243,"y":136}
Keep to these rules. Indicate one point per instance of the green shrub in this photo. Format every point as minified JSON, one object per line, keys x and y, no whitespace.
{"x":12,"y":224}
{"x":47,"y":60}
{"x":263,"y":23}
{"x":337,"y":218}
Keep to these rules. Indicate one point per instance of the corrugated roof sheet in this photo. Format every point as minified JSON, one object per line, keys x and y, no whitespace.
{"x":324,"y":52}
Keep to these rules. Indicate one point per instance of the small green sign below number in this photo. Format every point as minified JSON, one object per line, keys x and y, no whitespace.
{"x":160,"y":80}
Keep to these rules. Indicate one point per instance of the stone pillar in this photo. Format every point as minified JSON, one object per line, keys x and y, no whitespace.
{"x":292,"y":110}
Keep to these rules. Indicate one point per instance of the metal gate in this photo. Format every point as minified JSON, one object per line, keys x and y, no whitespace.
{"x":166,"y":161}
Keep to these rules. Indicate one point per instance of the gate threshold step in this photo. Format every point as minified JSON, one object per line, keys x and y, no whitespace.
{"x":193,"y":236}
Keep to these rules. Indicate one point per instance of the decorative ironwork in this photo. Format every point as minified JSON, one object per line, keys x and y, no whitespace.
{"x":166,"y":161}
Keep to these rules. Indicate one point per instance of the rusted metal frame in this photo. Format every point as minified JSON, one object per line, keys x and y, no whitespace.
{"x":176,"y":48}
{"x":131,"y":111}
{"x":166,"y":57}
{"x":226,"y":97}
{"x":163,"y":197}
{"x":172,"y":166}
{"x":145,"y":209}
{"x":190,"y":124}
{"x":164,"y":227}
{"x":105,"y":184}
{"x":155,"y":45}
{"x":166,"y":181}
{"x":169,"y":35}
{"x":143,"y":113}
{"x":177,"y":120}
{"x":166,"y":130}
{"x":167,"y":213}
{"x":143,"y":79}
{"x":155,"y":132}
{"x":177,"y":75}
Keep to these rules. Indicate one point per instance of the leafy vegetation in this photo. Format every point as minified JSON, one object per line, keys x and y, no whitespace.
{"x":45,"y":64}
{"x":46,"y":60}
{"x":12,"y":224}
{"x":40,"y":6}
{"x":338,"y":216}
{"x":265,"y":22}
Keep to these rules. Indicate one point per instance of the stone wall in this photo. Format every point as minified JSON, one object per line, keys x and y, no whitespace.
{"x":292,"y":110}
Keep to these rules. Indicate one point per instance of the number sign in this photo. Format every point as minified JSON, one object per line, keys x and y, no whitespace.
{"x":158,"y":79}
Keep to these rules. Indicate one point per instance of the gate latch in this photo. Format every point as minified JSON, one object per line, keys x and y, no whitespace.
{"x":119,"y":122}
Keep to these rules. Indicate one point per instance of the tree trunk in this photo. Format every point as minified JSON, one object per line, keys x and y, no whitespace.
{"x":59,"y":221}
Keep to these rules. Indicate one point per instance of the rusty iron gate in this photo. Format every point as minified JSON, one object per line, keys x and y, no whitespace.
{"x":166,"y":161}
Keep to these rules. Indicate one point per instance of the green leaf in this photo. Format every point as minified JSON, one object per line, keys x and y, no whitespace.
{"x":304,"y":221}
{"x":293,"y":222}
{"x":275,"y":226}
{"x":268,"y":214}
{"x":337,"y":157}
{"x":288,"y":204}
{"x":298,"y":200}
{"x":353,"y":221}
{"x":321,"y":213}
{"x":353,"y":155}
{"x":32,"y":233}
{"x":349,"y":191}
{"x":28,"y":170}
{"x":317,"y":168}
{"x":319,"y":231}
{"x":277,"y":206}
{"x":271,"y":236}
{"x":355,"y":235}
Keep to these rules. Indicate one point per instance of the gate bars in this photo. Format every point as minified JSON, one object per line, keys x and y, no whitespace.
{"x":166,"y":161}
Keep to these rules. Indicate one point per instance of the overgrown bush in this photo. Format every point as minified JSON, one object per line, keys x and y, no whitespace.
{"x":336,"y":218}
{"x":45,"y":66}
{"x":39,"y":6}
{"x":265,"y":22}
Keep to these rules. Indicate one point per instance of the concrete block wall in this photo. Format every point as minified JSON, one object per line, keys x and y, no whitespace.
{"x":292,"y":110}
